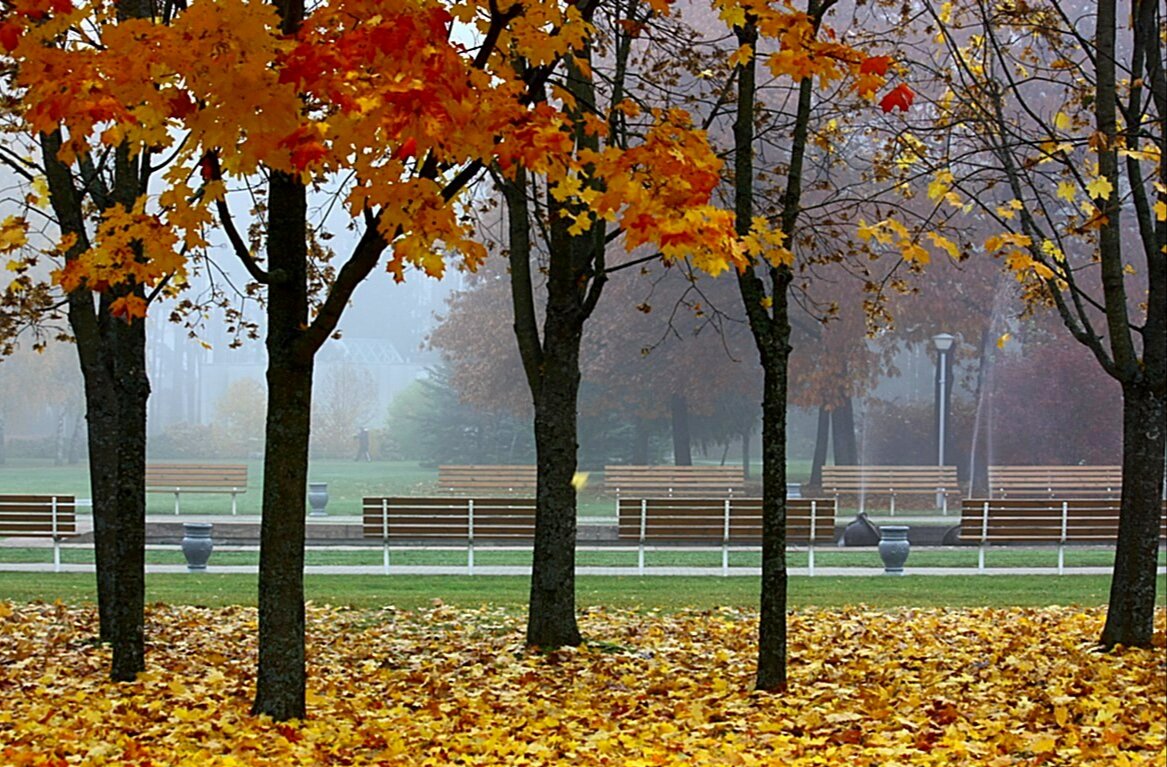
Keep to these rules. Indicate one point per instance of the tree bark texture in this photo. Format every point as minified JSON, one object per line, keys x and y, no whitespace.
{"x":551,"y":621}
{"x":129,"y":545}
{"x":843,"y":433}
{"x":821,"y":439}
{"x":111,"y":354}
{"x":280,"y":686}
{"x":1130,"y":617}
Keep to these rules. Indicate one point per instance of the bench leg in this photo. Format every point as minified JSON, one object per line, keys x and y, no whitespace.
{"x":176,"y":504}
{"x":234,"y":505}
{"x":981,"y":558}
{"x":724,"y":560}
{"x":56,"y":555}
{"x":385,"y":556}
{"x":470,"y":558}
{"x":810,"y":559}
{"x":1061,"y":559}
{"x":893,"y":505}
{"x":640,"y":559}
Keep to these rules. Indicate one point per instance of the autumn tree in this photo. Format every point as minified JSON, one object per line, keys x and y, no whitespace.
{"x":93,"y":182}
{"x":1053,"y":116}
{"x":235,"y":90}
{"x":610,"y":176}
{"x":803,"y":50}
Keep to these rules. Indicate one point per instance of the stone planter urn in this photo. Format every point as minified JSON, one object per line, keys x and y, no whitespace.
{"x":894,"y":548}
{"x":197,"y":544}
{"x":317,"y":498}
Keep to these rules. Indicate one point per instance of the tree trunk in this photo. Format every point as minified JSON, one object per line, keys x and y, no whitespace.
{"x":59,"y":440}
{"x":551,"y":621}
{"x":679,"y":409}
{"x":843,"y":428}
{"x":280,"y":684}
{"x":640,"y":443}
{"x":821,"y":439}
{"x":1130,"y":617}
{"x":133,"y":394}
{"x":746,"y":453}
{"x":101,"y":421}
{"x":978,"y":470}
{"x":772,"y":624}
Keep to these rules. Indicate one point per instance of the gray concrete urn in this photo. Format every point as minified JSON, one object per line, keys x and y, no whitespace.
{"x":894,"y":548}
{"x":318,"y":498}
{"x":197,"y":544}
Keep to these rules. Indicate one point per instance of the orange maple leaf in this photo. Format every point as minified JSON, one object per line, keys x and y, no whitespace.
{"x":875,"y":65}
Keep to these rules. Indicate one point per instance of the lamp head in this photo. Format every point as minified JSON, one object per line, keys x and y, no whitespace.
{"x":943,"y":341}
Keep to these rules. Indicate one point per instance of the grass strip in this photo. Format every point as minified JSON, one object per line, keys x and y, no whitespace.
{"x":824,"y":557}
{"x":665,"y":593}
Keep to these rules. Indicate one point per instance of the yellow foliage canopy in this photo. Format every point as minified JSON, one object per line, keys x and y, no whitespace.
{"x":442,"y":686}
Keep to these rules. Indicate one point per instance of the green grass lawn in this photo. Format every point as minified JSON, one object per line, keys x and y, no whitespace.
{"x":827,"y":557}
{"x":664,"y":593}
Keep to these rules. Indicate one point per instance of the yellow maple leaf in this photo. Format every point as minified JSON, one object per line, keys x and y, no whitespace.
{"x":13,"y":233}
{"x":1161,"y":211}
{"x":742,"y":56}
{"x":1067,"y":190}
{"x":1100,"y":188}
{"x":1062,"y":121}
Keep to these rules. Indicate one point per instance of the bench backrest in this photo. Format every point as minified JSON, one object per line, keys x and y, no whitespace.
{"x":648,"y":481}
{"x":499,"y":520}
{"x":1055,"y":481}
{"x":196,"y":476}
{"x":37,"y":516}
{"x":888,"y":479}
{"x":485,"y":478}
{"x":1011,"y":520}
{"x":703,"y":520}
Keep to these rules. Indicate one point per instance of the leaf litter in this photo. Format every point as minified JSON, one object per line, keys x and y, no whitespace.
{"x":454,"y":686}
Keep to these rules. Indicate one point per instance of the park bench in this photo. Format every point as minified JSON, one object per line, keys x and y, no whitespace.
{"x":1055,"y":481}
{"x":672,"y":481}
{"x":893,"y":481}
{"x":722,"y":522}
{"x":487,"y":479}
{"x":181,"y":478}
{"x":449,"y":521}
{"x":986,"y":521}
{"x":39,"y":516}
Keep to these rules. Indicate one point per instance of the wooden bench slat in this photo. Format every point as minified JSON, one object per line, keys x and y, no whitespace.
{"x":468,"y":478}
{"x":1055,"y":481}
{"x":622,"y":480}
{"x":39,"y":516}
{"x":688,"y":520}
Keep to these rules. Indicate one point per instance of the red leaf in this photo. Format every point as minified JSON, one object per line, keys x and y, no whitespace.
{"x":10,"y":35}
{"x":901,"y":96}
{"x":408,"y":148}
{"x":875,"y":65}
{"x":181,"y":105}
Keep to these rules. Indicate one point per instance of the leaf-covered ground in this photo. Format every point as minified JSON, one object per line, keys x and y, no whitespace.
{"x":452,"y":687}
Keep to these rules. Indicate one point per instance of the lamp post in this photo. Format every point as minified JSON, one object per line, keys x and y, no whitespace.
{"x":943,"y":343}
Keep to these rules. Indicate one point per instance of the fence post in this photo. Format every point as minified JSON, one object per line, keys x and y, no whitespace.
{"x":984,"y":538}
{"x":1062,"y":540}
{"x":385,"y":532}
{"x":470,"y":536}
{"x":56,"y":537}
{"x":725,"y":541}
{"x":643,"y":524}
{"x":810,"y":544}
